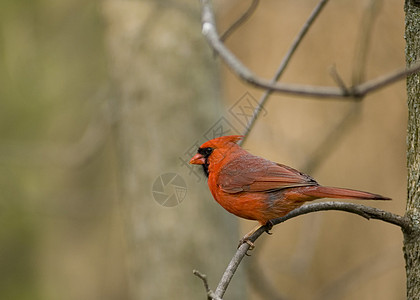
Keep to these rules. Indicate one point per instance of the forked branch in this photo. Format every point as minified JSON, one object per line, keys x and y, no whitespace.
{"x":357,"y":91}
{"x":358,"y":209}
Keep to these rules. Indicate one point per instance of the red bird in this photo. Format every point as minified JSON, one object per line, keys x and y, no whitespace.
{"x":255,"y":188}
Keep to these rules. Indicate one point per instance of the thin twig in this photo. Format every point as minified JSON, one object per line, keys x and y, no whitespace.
{"x":338,"y":80}
{"x":210,"y":293}
{"x":382,"y":81}
{"x":358,"y":91}
{"x":242,"y":19}
{"x":284,"y":63}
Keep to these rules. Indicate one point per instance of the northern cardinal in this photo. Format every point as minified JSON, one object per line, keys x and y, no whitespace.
{"x":255,"y":188}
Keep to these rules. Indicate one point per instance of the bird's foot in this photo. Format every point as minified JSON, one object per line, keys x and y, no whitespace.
{"x":246,"y":240}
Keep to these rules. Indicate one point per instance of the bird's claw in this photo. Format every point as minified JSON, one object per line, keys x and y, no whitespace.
{"x":251,"y":247}
{"x":246,"y":240}
{"x":251,"y":244}
{"x":269,"y":225}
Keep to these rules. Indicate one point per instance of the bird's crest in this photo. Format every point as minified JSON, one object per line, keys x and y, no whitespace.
{"x":222,"y":141}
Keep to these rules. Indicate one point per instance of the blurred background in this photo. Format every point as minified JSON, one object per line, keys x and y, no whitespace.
{"x":101,"y":100}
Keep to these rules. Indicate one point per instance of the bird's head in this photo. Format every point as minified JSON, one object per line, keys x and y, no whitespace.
{"x":214,"y":151}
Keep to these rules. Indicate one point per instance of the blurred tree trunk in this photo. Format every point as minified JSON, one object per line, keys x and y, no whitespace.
{"x":412,"y":239}
{"x":166,"y":88}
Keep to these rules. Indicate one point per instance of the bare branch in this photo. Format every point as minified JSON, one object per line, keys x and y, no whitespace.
{"x":358,"y":209}
{"x":338,"y":80}
{"x":284,"y":63}
{"x":382,"y":81}
{"x":210,"y":32}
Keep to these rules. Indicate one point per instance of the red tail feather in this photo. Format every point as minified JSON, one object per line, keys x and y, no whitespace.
{"x":340,"y":193}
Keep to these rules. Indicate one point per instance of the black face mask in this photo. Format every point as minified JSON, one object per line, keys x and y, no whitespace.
{"x":206,"y":153}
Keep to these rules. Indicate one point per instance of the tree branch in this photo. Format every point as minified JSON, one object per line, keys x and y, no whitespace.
{"x":357,"y":91}
{"x":358,"y":209}
{"x":284,"y":63}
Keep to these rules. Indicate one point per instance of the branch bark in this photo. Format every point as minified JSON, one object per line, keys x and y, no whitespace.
{"x":412,"y":238}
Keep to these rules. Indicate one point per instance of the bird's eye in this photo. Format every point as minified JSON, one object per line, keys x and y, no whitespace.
{"x":205,"y":151}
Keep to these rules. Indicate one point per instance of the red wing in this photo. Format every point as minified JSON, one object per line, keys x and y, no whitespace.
{"x":254,"y":174}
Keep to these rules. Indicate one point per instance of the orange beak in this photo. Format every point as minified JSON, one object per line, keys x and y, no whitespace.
{"x":198,"y":159}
